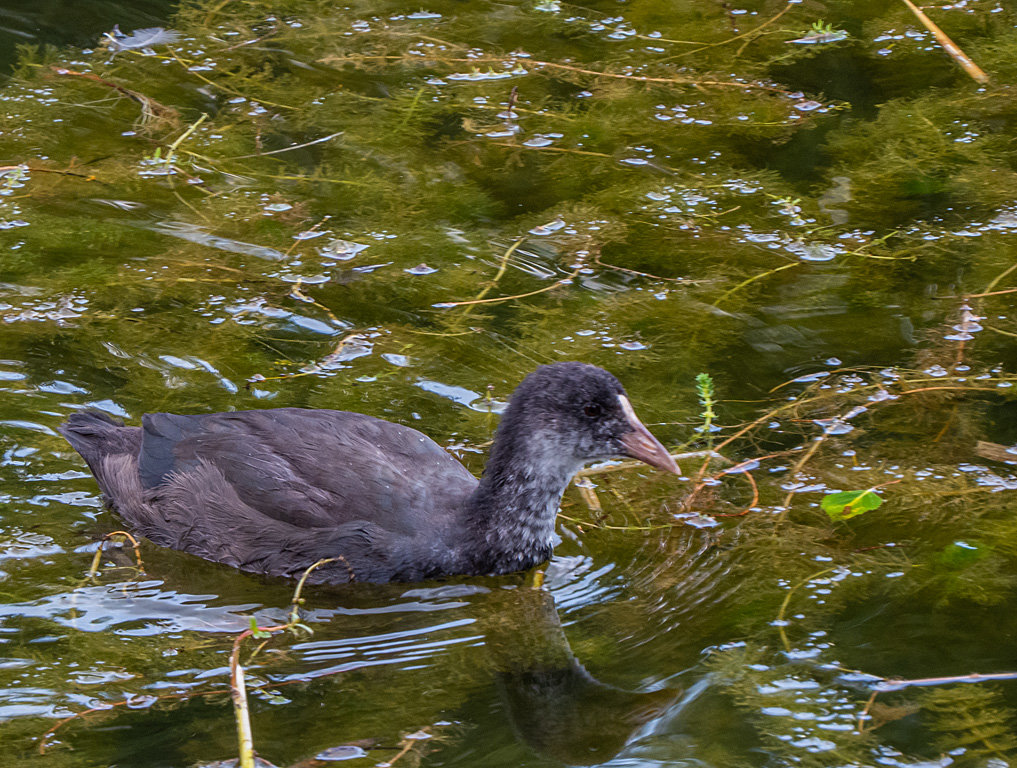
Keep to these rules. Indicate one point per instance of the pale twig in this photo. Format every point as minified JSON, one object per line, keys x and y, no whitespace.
{"x":974,"y":71}
{"x":287,"y":149}
{"x":502,"y":267}
{"x":564,"y":281}
{"x":779,"y":621}
{"x":752,"y":31}
{"x":94,"y":570}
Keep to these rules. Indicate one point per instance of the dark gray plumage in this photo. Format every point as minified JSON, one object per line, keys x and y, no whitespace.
{"x":274,"y":491}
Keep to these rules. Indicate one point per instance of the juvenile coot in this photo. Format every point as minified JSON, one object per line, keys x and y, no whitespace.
{"x":273,"y":491}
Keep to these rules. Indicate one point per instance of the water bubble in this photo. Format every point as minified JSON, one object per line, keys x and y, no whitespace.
{"x":398,"y":360}
{"x":344,"y":752}
{"x":421,"y":269}
{"x":880,"y":395}
{"x":341,"y":250}
{"x":550,"y":227}
{"x":807,"y":106}
{"x":812,"y":251}
{"x":833,"y":426}
{"x":809,"y":377}
{"x":695,"y":520}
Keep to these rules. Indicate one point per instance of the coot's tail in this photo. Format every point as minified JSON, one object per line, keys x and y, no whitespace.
{"x":104,"y":443}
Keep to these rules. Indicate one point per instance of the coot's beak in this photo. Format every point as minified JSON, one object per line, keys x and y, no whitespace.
{"x":640,"y":444}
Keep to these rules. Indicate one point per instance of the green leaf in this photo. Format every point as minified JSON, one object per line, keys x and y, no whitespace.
{"x":847,"y":504}
{"x":257,"y":632}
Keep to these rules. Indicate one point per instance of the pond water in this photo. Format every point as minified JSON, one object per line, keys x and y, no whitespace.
{"x":402,"y":209}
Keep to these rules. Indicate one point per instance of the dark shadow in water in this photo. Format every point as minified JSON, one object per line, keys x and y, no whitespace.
{"x":554,"y":705}
{"x":53,"y":22}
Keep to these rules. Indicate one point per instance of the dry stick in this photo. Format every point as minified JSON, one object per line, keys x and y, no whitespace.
{"x":1000,"y":330}
{"x":787,"y":599}
{"x":288,"y":149}
{"x":244,"y":729}
{"x":297,"y":600}
{"x":191,"y":129}
{"x":502,"y":266}
{"x":312,"y":229}
{"x":578,"y":70}
{"x":752,"y":504}
{"x":730,"y":471}
{"x":752,"y":31}
{"x":976,"y":73}
{"x":33,"y":169}
{"x":238,"y":688}
{"x":214,"y":10}
{"x":753,"y":279}
{"x":982,"y":295}
{"x":795,"y":470}
{"x":410,"y":743}
{"x":238,"y":693}
{"x":887,"y":685}
{"x":564,"y":281}
{"x":599,"y":263}
{"x":976,"y":677}
{"x":149,"y":106}
{"x":999,"y":278}
{"x":94,"y":570}
{"x":865,"y":712}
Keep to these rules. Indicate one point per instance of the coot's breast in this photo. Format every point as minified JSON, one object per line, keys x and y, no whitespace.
{"x":313,"y":468}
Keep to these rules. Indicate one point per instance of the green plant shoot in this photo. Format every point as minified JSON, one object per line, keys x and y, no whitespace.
{"x":704,"y":388}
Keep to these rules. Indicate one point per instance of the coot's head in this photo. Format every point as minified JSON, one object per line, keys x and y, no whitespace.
{"x":576,"y":413}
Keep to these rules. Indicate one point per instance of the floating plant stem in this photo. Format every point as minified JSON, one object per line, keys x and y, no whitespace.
{"x":564,"y":281}
{"x":752,"y":31}
{"x":93,"y":571}
{"x":753,"y":279}
{"x":949,"y":45}
{"x":787,"y":600}
{"x":502,"y":266}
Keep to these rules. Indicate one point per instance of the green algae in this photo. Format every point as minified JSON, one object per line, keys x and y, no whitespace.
{"x":729,"y":204}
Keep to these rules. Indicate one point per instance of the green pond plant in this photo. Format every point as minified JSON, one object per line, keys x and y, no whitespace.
{"x":400,"y":210}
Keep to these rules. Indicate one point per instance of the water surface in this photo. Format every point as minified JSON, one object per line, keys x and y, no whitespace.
{"x":401,"y":210}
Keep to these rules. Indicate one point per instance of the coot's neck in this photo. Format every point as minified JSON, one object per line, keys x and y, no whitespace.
{"x":510,"y":516}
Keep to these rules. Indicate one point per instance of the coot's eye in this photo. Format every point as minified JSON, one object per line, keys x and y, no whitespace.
{"x":593,"y":410}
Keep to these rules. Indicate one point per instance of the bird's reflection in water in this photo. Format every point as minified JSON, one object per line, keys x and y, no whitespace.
{"x":556,"y":707}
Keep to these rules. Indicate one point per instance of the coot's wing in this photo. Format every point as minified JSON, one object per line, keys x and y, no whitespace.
{"x":312,"y":468}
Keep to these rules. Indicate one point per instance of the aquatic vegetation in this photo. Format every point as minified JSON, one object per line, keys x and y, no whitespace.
{"x":397,"y":209}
